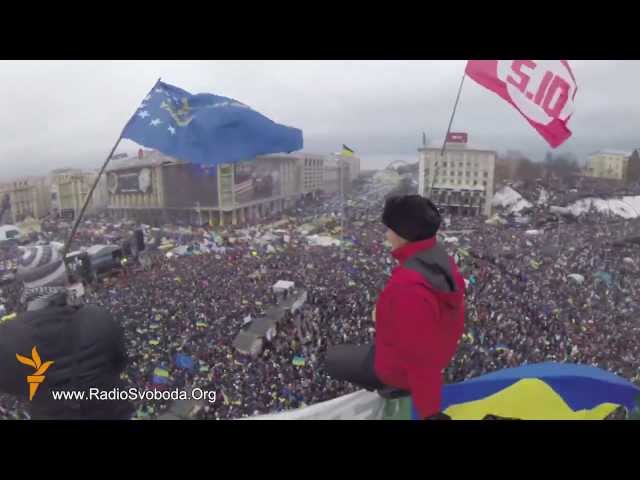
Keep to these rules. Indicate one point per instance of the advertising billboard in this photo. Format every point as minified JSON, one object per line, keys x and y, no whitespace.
{"x":457,"y":137}
{"x":130,"y":181}
{"x":257,"y":180}
{"x":189,"y":185}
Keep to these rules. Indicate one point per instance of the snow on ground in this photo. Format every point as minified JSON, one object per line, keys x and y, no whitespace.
{"x":625,"y":207}
{"x":543,"y":198}
{"x":511,"y":200}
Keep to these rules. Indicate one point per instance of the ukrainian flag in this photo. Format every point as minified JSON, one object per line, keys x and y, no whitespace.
{"x":543,"y":391}
{"x":160,"y":376}
{"x":346,"y":151}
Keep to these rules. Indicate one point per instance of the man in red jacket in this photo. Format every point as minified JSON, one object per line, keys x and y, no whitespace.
{"x":419,"y":315}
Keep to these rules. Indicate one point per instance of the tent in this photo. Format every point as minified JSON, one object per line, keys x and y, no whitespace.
{"x":282,"y":285}
{"x":30,"y":225}
{"x":10,"y":232}
{"x":495,"y":220}
{"x":604,"y":276}
{"x":322,"y":241}
{"x":577,"y":277}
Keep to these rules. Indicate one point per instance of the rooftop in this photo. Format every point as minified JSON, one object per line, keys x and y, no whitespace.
{"x":434,"y":145}
{"x":610,"y":151}
{"x":150,"y":159}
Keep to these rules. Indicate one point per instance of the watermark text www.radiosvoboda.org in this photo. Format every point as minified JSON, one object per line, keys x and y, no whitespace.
{"x":135,"y":394}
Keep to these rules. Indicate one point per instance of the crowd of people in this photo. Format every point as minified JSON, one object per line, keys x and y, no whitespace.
{"x":522,"y":305}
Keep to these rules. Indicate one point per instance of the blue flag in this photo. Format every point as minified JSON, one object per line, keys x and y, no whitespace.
{"x":205,"y":128}
{"x":184,"y":361}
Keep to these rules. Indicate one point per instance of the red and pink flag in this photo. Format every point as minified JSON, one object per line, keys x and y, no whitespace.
{"x":543,"y":91}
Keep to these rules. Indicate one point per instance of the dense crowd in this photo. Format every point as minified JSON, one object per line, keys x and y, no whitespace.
{"x":522,"y":306}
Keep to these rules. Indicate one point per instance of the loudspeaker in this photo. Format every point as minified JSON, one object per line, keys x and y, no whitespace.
{"x":126,"y":249}
{"x":86,"y":270}
{"x":139,"y":240}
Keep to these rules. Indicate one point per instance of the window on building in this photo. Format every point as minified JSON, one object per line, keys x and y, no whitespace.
{"x":460,"y":173}
{"x":486,"y":174}
{"x":475,"y":183}
{"x":475,"y":174}
{"x":444,"y":164}
{"x":484,"y":183}
{"x":467,"y":173}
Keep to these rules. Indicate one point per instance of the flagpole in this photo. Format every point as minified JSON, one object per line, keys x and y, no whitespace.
{"x":76,"y":223}
{"x":444,"y":143}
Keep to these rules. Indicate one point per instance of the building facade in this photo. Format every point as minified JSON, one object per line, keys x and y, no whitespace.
{"x":353,"y":163}
{"x":157,"y":189}
{"x":337,"y":171}
{"x":136,"y":187}
{"x":69,"y":189}
{"x":311,"y":167}
{"x":27,"y":198}
{"x":462,"y":180}
{"x":252,"y":190}
{"x":611,"y":164}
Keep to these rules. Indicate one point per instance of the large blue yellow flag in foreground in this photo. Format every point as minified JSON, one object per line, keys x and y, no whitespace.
{"x":205,"y":128}
{"x":543,"y":391}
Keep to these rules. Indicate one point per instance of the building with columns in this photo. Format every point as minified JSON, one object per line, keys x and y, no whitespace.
{"x":156,"y":189}
{"x":462,"y":180}
{"x":69,"y":189}
{"x":611,"y":164}
{"x":27,"y":197}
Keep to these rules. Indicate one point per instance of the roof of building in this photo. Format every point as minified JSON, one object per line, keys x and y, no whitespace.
{"x":457,"y":147}
{"x":150,"y":159}
{"x":610,"y":151}
{"x":294,"y":155}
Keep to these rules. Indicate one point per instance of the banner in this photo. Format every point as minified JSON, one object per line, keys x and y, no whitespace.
{"x":257,"y":180}
{"x":361,"y":405}
{"x":136,"y":181}
{"x":543,"y":91}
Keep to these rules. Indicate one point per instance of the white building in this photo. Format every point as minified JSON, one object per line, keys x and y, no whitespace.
{"x":28,"y":197}
{"x":70,"y":187}
{"x":462,"y":180}
{"x":336,"y":174}
{"x":312,"y":172}
{"x":610,"y":164}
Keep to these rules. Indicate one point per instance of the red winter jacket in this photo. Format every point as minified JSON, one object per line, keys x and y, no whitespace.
{"x":419,"y":321}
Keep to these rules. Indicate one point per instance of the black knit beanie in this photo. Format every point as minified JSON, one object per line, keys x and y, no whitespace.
{"x":412,"y":217}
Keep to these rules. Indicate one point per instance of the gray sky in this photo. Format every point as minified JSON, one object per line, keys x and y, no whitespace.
{"x":69,"y":113}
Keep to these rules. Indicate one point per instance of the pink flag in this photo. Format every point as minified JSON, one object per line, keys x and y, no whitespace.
{"x":541,"y":90}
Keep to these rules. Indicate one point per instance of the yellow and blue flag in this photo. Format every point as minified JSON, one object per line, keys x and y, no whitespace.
{"x":206,"y":128}
{"x":542,"y":391}
{"x":160,"y":376}
{"x":346,"y":151}
{"x":184,"y":361}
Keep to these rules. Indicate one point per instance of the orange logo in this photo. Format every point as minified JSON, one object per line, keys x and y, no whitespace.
{"x":37,"y":378}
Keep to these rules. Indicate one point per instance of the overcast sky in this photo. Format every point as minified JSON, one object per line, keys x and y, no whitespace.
{"x":69,"y":113}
